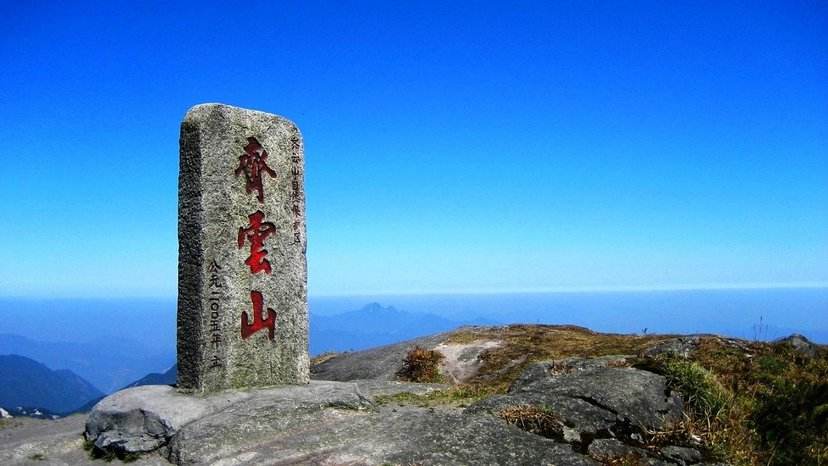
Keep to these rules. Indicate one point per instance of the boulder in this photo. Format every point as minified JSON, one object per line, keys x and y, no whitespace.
{"x":609,"y":449}
{"x":386,"y":435}
{"x":594,"y":401}
{"x":800,"y":344}
{"x":681,"y":347}
{"x":142,"y":419}
{"x":682,"y":455}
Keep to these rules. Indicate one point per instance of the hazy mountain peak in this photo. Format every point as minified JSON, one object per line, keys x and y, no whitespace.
{"x":26,"y":382}
{"x":377,"y":307}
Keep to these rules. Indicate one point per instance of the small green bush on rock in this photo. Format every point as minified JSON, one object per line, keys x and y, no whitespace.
{"x":703,"y":392}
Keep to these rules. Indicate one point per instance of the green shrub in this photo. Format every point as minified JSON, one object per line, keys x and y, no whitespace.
{"x":792,"y":421}
{"x":702,"y":391}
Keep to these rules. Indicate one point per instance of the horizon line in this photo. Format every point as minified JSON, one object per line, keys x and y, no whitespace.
{"x":537,"y":290}
{"x":590,"y":289}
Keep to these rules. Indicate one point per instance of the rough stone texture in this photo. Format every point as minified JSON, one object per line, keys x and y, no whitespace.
{"x":321,"y":423}
{"x":594,"y":402}
{"x":800,"y":344}
{"x":613,"y":451}
{"x":214,"y":204}
{"x":142,"y":419}
{"x":540,"y":371}
{"x":681,"y":455}
{"x":373,"y":388}
{"x":607,"y":449}
{"x":681,"y":347}
{"x":27,"y":441}
{"x":462,"y":361}
{"x":381,"y":363}
{"x":402,"y":435}
{"x":145,"y":418}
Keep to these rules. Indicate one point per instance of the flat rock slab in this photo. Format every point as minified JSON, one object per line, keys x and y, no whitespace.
{"x":142,"y":419}
{"x":387,"y":435}
{"x":374,"y":388}
{"x":26,"y":441}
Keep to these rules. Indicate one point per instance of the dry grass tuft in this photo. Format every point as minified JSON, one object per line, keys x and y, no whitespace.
{"x":322,"y":358}
{"x":535,"y":419}
{"x":421,"y":365}
{"x":630,"y":459}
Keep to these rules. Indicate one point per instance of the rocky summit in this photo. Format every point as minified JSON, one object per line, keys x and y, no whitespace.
{"x":497,"y":395}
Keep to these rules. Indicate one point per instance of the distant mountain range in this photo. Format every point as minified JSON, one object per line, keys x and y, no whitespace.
{"x":42,"y":392}
{"x":376,"y":325}
{"x":28,"y":387}
{"x":166,"y":378}
{"x":107,"y":364}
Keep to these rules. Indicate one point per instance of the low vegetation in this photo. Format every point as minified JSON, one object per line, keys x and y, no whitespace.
{"x":538,"y":420}
{"x":702,"y":391}
{"x":421,"y":365}
{"x":747,"y":403}
{"x":754,"y":403}
{"x":322,"y":358}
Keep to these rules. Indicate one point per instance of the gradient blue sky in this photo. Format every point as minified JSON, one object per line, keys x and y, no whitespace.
{"x":467,"y":147}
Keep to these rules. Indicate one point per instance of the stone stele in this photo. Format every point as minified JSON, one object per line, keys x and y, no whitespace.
{"x":242,"y":269}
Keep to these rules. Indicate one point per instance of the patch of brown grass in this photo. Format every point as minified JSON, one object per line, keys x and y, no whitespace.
{"x":322,"y":358}
{"x":535,"y":419}
{"x":733,"y":364}
{"x":421,"y":365}
{"x":630,"y":459}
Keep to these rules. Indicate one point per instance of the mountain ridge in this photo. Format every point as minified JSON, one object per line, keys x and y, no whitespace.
{"x":32,"y":385}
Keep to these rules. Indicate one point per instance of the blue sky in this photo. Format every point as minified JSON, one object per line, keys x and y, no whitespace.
{"x":465,"y":147}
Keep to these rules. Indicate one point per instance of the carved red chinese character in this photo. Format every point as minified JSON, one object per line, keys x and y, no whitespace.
{"x":253,"y":163}
{"x":256,"y":233}
{"x":259,"y":323}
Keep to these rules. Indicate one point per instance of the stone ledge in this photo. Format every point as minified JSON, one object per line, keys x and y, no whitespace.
{"x":143,"y":419}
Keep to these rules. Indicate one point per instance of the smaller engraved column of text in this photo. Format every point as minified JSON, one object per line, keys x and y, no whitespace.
{"x":215,"y":307}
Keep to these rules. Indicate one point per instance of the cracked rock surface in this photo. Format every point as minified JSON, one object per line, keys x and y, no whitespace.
{"x":604,"y":409}
{"x":596,"y":401}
